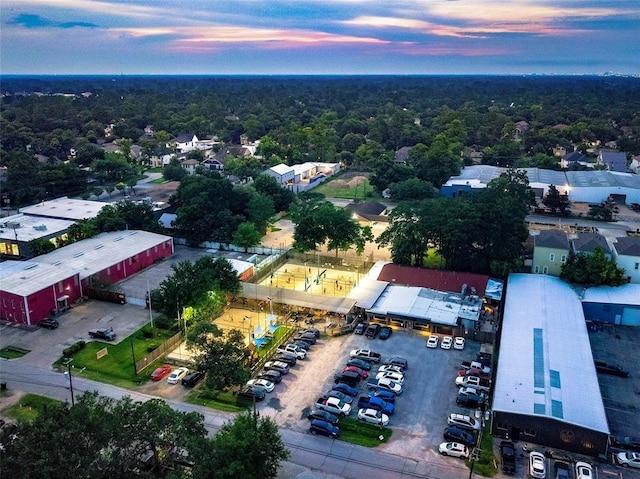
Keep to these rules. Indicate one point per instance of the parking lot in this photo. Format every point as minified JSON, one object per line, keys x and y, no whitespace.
{"x":421,"y":410}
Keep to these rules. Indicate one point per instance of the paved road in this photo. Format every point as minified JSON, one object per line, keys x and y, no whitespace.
{"x":311,"y":456}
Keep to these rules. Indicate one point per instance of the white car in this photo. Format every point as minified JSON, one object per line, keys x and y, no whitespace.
{"x":463,"y":422}
{"x":446,"y":343}
{"x":432,"y":341}
{"x":388,"y":384}
{"x":263,"y":383}
{"x":584,"y":470}
{"x":394,"y":376}
{"x":458,"y":342}
{"x":627,"y":459}
{"x":373,"y":416}
{"x":537,"y":465}
{"x":390,"y":368}
{"x":454,"y":449}
{"x":176,"y":375}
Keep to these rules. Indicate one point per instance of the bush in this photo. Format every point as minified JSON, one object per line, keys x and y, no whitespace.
{"x":152,"y":347}
{"x":73,"y":349}
{"x":148,"y":333}
{"x":164,"y":322}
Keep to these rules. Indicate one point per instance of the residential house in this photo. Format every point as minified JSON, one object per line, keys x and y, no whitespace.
{"x":190,"y":166}
{"x":521,"y":127}
{"x":635,"y":164}
{"x":587,"y":243}
{"x":550,"y":252}
{"x":626,"y":251}
{"x":371,"y":211}
{"x":571,"y":159}
{"x":282,"y":173}
{"x":559,"y":151}
{"x":613,"y":160}
{"x":212,"y":164}
{"x":185,"y":142}
{"x":402,"y":154}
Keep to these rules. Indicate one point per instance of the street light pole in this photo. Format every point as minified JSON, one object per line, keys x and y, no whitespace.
{"x":68,"y":374}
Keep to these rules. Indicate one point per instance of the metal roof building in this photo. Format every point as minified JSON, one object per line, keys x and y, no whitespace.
{"x":546,"y":389}
{"x":65,"y":208}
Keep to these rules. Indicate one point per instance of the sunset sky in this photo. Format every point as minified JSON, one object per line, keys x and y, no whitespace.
{"x":319,"y":37}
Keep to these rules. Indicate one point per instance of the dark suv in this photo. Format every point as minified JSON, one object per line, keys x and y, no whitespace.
{"x":348,"y":377}
{"x":249,"y":393}
{"x":324,"y":428}
{"x":458,"y":435}
{"x":49,"y":323}
{"x":105,"y":334}
{"x":372,"y":331}
{"x":190,"y":380}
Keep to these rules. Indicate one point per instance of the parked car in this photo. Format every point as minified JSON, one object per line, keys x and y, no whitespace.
{"x":302,"y":344}
{"x":627,"y":459}
{"x":611,"y":369}
{"x":324,"y":428}
{"x":389,"y":385}
{"x":508,"y":457}
{"x":315,"y":332}
{"x":562,"y":470}
{"x":268,"y":386}
{"x":160,"y":372}
{"x":385,"y":332}
{"x":454,"y":449}
{"x":432,"y":341}
{"x":251,"y":393}
{"x":464,"y":422}
{"x":282,"y":368}
{"x":469,"y":400}
{"x":359,"y":363}
{"x":104,"y":334}
{"x":388,"y":396}
{"x":270,"y":375}
{"x":372,"y":331}
{"x":584,"y":470}
{"x":190,"y":380}
{"x":367,"y":402}
{"x":628,"y":442}
{"x":176,"y":376}
{"x":349,"y":377}
{"x":365,"y":355}
{"x":398,"y":361}
{"x":447,"y":342}
{"x":306,"y":337}
{"x":373,"y":416}
{"x":346,"y":389}
{"x":537,"y":465}
{"x":323,"y":416}
{"x":49,"y":323}
{"x":458,"y":342}
{"x":388,"y":368}
{"x":455,"y":434}
{"x":359,"y":329}
{"x":288,"y":358}
{"x":394,"y":376}
{"x":340,"y":395}
{"x":294,"y":349}
{"x":354,"y":369}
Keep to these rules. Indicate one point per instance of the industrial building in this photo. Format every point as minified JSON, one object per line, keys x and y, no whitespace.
{"x":546,"y":389}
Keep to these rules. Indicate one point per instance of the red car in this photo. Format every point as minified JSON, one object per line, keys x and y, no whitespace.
{"x":354,"y":369}
{"x":160,"y":373}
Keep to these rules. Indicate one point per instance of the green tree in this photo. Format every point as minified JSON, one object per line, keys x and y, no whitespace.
{"x":593,"y":269}
{"x":412,"y":189}
{"x":222,"y":355}
{"x":282,"y":197}
{"x":555,"y":201}
{"x":249,"y":447}
{"x":40,"y":246}
{"x":246,"y":236}
{"x":605,"y":211}
{"x":260,"y":211}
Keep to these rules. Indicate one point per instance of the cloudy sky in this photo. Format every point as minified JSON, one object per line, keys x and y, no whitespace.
{"x":319,"y":36}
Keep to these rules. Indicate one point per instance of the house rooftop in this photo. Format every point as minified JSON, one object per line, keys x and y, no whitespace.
{"x":447,"y":281}
{"x":588,"y":242}
{"x":65,"y":208}
{"x":546,"y":367}
{"x":628,"y":245}
{"x":555,"y":239}
{"x":26,"y":228}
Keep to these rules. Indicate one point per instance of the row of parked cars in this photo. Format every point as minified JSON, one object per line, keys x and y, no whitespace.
{"x":287,"y":356}
{"x":373,"y":330}
{"x":374,"y":407}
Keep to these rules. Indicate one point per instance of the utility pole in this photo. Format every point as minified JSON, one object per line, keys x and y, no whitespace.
{"x":68,"y":374}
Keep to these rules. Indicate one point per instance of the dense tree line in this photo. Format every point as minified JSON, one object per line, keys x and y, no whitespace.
{"x":101,"y":437}
{"x":356,"y":120}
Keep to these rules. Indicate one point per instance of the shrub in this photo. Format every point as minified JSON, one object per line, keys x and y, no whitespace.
{"x":73,"y":349}
{"x":148,"y":333}
{"x":164,"y":322}
{"x":152,"y":347}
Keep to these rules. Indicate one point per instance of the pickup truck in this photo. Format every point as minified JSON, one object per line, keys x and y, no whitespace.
{"x":292,"y":349}
{"x":366,"y":355}
{"x":508,"y":454}
{"x":475,"y":365}
{"x":333,"y":405}
{"x":105,"y":334}
{"x":473,"y":382}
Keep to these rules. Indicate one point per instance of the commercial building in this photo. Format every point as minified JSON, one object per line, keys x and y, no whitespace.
{"x":65,"y":209}
{"x":616,"y":305}
{"x":546,"y":389}
{"x":17,"y":232}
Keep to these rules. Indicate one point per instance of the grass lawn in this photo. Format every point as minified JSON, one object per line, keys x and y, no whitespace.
{"x":117,"y":366}
{"x":154,"y":170}
{"x":12,"y":352}
{"x":265,"y":349}
{"x":433,"y":259}
{"x":362,"y":433}
{"x":29,"y":406}
{"x":158,"y":181}
{"x":333,"y":189}
{"x":222,"y":401}
{"x":486,"y":465}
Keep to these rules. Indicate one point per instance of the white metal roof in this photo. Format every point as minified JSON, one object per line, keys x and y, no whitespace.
{"x":25,"y":278}
{"x":281,"y":169}
{"x":96,"y":254}
{"x":239,"y":265}
{"x":628,"y":294}
{"x":546,"y":366}
{"x":65,"y":208}
{"x":26,"y":228}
